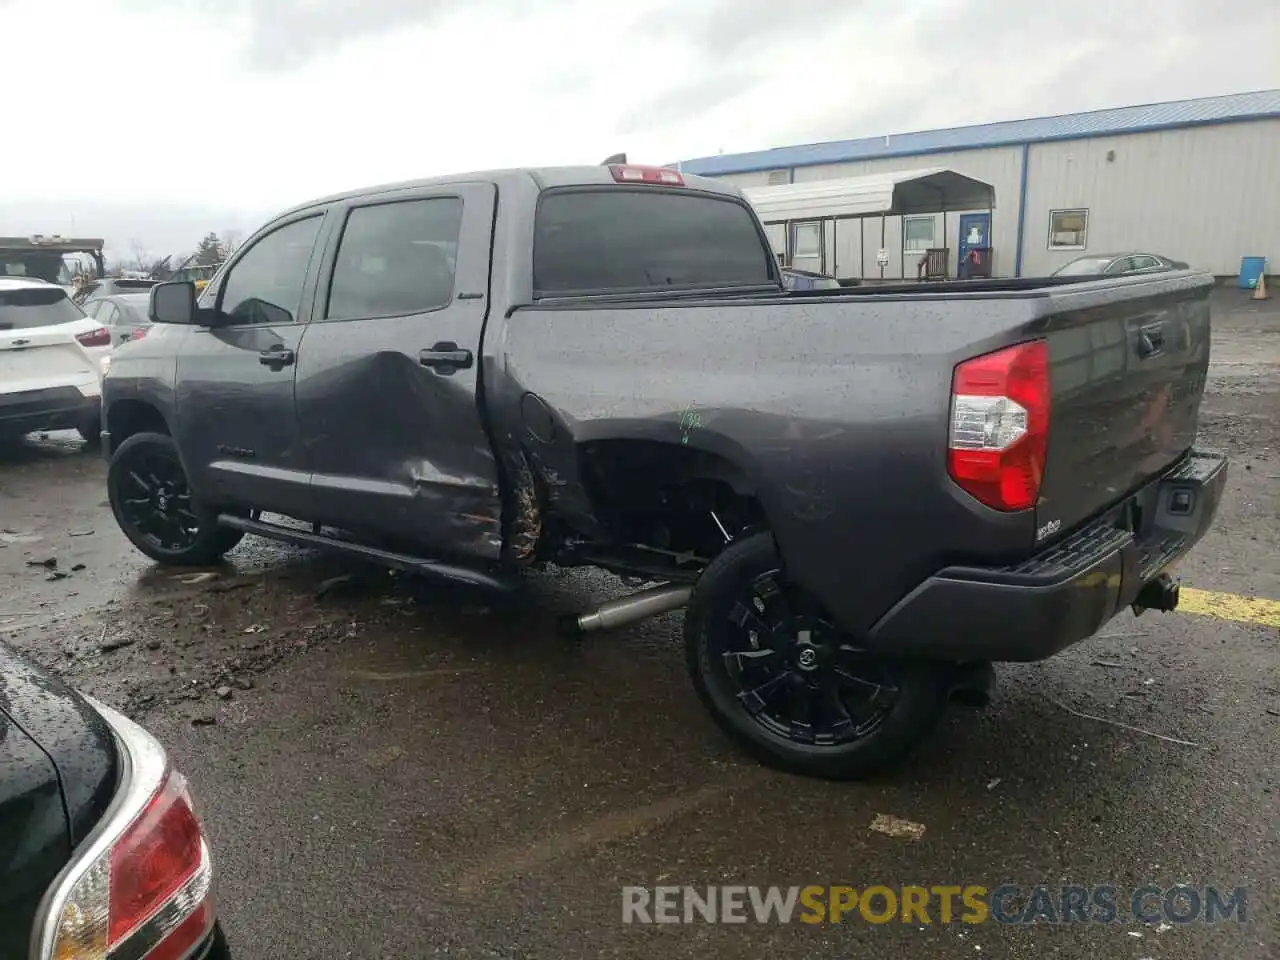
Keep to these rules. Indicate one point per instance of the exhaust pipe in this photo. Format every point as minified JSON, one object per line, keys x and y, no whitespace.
{"x":1160,"y":594}
{"x":627,"y":610}
{"x":973,"y":685}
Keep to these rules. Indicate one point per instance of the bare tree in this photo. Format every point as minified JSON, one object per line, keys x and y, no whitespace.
{"x":231,"y":239}
{"x":141,"y":256}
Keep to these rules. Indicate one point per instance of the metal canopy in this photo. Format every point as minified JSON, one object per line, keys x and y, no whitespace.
{"x":907,"y":192}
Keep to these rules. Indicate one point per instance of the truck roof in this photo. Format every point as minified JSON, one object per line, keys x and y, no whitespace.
{"x":544,"y":177}
{"x":52,"y":243}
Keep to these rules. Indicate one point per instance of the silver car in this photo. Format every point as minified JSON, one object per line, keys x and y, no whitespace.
{"x":1115,"y":264}
{"x":124,"y":315}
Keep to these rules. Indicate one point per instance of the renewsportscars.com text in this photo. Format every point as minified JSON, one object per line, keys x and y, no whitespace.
{"x":971,"y":904}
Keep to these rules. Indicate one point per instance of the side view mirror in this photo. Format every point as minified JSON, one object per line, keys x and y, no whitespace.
{"x":173,"y":302}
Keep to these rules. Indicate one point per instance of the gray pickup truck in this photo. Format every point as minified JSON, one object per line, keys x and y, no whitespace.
{"x":860,"y":498}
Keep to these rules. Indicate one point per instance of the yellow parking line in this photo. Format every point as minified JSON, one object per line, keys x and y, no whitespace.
{"x":1230,"y":606}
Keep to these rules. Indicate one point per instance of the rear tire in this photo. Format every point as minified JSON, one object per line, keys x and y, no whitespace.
{"x":153,"y":505}
{"x":805,"y":667}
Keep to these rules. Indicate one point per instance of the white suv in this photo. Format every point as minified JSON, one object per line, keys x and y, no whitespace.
{"x":52,"y":358}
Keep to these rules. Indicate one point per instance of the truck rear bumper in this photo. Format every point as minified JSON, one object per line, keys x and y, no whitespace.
{"x":1032,"y":610}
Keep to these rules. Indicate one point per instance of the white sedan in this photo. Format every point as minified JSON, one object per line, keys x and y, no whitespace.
{"x":52,"y":359}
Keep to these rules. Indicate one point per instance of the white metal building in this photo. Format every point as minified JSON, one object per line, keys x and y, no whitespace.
{"x":1195,"y":180}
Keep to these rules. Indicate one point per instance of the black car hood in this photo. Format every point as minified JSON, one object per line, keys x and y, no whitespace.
{"x":57,"y":775}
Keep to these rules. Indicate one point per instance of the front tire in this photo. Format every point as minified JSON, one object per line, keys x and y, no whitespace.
{"x":783,"y":682}
{"x":153,"y":504}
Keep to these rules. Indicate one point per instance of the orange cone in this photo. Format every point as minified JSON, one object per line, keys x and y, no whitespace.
{"x":1260,"y":288}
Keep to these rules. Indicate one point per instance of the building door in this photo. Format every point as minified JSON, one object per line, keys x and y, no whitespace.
{"x":975,"y":233}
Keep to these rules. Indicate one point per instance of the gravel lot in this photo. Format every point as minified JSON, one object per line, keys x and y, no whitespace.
{"x":394,"y":769}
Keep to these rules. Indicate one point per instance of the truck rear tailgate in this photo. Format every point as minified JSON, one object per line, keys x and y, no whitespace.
{"x":1127,"y":378}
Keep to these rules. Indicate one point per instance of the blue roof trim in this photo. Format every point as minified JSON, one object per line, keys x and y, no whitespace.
{"x":1147,"y":118}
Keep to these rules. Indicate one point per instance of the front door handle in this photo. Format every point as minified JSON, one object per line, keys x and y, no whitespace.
{"x":446,"y":357}
{"x":276,"y":359}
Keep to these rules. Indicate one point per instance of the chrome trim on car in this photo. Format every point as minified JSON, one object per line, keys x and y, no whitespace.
{"x":143,"y":764}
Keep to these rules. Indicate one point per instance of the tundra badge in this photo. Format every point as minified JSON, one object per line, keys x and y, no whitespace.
{"x":1048,"y":530}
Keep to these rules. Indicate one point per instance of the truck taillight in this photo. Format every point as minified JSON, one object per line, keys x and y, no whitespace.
{"x":630,"y":173}
{"x":97,"y":337}
{"x":143,"y":887}
{"x":1000,"y":426}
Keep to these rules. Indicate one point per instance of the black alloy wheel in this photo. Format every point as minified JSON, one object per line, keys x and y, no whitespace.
{"x":153,"y":504}
{"x":786,"y":683}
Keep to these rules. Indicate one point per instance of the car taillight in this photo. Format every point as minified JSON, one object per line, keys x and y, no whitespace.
{"x":1000,"y":426}
{"x":144,"y":888}
{"x":98,"y":337}
{"x":138,"y":333}
{"x":629,"y":173}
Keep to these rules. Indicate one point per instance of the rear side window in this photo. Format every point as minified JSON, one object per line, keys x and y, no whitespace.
{"x":396,"y":259}
{"x":618,"y":241}
{"x":24,"y":309}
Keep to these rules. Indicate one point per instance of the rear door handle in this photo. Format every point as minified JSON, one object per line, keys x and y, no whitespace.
{"x":276,"y":359}
{"x":446,"y":357}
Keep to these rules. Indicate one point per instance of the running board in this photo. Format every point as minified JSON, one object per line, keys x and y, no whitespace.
{"x":388,"y":558}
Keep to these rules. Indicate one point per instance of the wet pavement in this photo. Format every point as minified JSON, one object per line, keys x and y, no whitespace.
{"x":394,"y":769}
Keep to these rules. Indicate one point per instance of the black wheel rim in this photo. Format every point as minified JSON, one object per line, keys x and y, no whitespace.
{"x":796,"y":674}
{"x":156,"y":502}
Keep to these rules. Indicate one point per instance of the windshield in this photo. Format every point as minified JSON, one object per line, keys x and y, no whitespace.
{"x":38,"y":307}
{"x":1085,"y":266}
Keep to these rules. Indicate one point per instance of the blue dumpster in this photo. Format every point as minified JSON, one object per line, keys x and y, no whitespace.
{"x":1250,"y":270}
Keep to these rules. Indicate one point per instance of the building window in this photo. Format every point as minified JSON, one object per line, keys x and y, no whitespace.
{"x":917,"y":234}
{"x":777,"y":178}
{"x":1068,"y":229}
{"x":808,"y":240}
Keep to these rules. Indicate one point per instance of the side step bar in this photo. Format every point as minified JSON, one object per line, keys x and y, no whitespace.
{"x":388,"y":558}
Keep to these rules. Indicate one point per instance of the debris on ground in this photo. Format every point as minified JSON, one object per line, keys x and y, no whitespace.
{"x":77,"y":568}
{"x":384,"y":757}
{"x":224,"y":693}
{"x":994,"y":783}
{"x":116,"y":643}
{"x":1122,"y":726}
{"x":50,"y":562}
{"x":1107,"y":663}
{"x":896,"y":827}
{"x":333,"y":583}
{"x":56,"y":575}
{"x":80,"y":533}
{"x":197,"y":578}
{"x":13,"y":536}
{"x":204,"y":720}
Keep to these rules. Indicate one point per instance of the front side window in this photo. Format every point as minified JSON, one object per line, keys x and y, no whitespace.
{"x":265,"y":284}
{"x":396,"y":259}
{"x":1068,"y":229}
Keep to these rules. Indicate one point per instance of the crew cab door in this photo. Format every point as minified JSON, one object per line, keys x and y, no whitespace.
{"x":388,"y":375}
{"x":238,"y":430}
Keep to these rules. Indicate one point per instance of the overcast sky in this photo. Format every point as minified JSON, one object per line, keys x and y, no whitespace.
{"x":232,"y":109}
